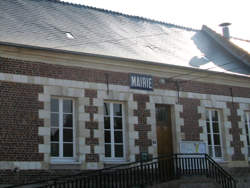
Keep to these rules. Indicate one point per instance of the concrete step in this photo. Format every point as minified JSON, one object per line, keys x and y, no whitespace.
{"x":243,"y":182}
{"x":189,"y":182}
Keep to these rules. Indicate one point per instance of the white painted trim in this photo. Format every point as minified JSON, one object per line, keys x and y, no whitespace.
{"x":113,"y":158}
{"x":61,"y":128}
{"x":247,"y":120}
{"x":212,"y":134}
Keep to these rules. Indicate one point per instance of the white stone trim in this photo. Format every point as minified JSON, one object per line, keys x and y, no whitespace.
{"x":227,"y":150}
{"x":14,"y":165}
{"x":177,"y":121}
{"x":243,"y":107}
{"x":130,"y":120}
{"x":202,"y":122}
{"x":80,"y":117}
{"x":43,"y":131}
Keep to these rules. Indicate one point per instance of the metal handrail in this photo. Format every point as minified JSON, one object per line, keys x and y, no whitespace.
{"x":86,"y":173}
{"x":231,"y":181}
{"x":148,"y":172}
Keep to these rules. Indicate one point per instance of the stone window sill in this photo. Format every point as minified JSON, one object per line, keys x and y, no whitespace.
{"x":65,"y":162}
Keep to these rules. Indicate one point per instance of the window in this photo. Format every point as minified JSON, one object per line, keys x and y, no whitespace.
{"x":213,"y":133}
{"x":62,"y":128}
{"x":247,"y":126}
{"x":114,"y":131}
{"x":162,"y":114}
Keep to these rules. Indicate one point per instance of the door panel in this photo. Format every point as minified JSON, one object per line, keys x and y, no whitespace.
{"x":164,"y":130}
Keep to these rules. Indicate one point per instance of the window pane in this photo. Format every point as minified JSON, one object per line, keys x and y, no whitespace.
{"x":67,"y":135}
{"x":107,"y":137}
{"x":54,"y":135}
{"x":248,"y":151}
{"x":54,"y":120}
{"x":67,"y":106}
{"x":214,"y":115}
{"x":106,"y":122}
{"x":118,"y":137}
{"x":67,"y":120}
{"x":161,"y":114}
{"x":246,"y":128}
{"x":245,"y":117}
{"x":113,"y":125}
{"x":216,"y":127}
{"x":210,"y":151}
{"x":208,"y":127}
{"x":207,"y":115}
{"x":216,"y":139}
{"x":117,"y":110}
{"x":218,"y":151}
{"x":107,"y":150}
{"x":68,"y":150}
{"x":54,"y":105}
{"x":118,"y":150}
{"x":209,"y":139}
{"x":54,"y":149}
{"x":118,"y":123}
{"x":106,"y":109}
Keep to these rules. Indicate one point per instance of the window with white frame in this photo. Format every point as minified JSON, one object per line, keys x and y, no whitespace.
{"x":62,"y":129}
{"x":247,"y":126}
{"x":213,"y":133}
{"x":114,"y":131}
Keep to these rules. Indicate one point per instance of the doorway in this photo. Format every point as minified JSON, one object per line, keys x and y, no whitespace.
{"x":164,"y":129}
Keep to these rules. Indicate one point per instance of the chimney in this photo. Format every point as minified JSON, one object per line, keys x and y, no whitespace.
{"x":225,"y":30}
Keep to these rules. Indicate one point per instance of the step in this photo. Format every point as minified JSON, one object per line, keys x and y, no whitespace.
{"x":189,"y":182}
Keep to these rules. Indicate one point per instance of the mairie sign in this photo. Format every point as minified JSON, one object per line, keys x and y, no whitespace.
{"x":139,"y":81}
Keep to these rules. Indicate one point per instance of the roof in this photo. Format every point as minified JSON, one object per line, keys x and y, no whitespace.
{"x":232,"y":48}
{"x":242,"y":43}
{"x":46,"y":23}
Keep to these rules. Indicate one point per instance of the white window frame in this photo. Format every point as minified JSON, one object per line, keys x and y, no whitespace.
{"x":113,"y":158}
{"x":209,"y":111}
{"x":62,"y":159}
{"x":247,"y":127}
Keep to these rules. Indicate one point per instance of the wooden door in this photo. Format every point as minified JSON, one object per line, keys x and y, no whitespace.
{"x":164,"y":131}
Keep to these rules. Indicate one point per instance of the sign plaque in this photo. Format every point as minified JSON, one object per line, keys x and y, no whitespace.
{"x":140,"y":81}
{"x":192,"y":147}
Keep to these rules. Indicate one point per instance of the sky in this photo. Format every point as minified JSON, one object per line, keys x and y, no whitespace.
{"x":189,"y":13}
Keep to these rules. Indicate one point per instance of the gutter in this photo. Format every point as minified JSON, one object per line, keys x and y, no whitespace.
{"x":121,"y":59}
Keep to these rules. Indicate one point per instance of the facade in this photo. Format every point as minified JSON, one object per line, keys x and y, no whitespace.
{"x":65,"y":109}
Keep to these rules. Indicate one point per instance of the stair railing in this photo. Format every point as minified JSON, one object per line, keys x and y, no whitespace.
{"x":219,"y":174}
{"x":202,"y":164}
{"x":143,"y":173}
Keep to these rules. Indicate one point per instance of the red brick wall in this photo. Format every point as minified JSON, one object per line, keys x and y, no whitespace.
{"x":91,"y":125}
{"x":99,"y":76}
{"x":191,"y":117}
{"x":235,"y":131}
{"x":190,"y":114}
{"x":142,"y":127}
{"x":19,"y":107}
{"x":19,"y":122}
{"x":61,"y":72}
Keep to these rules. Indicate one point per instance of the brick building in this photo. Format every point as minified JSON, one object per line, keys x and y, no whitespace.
{"x":81,"y":88}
